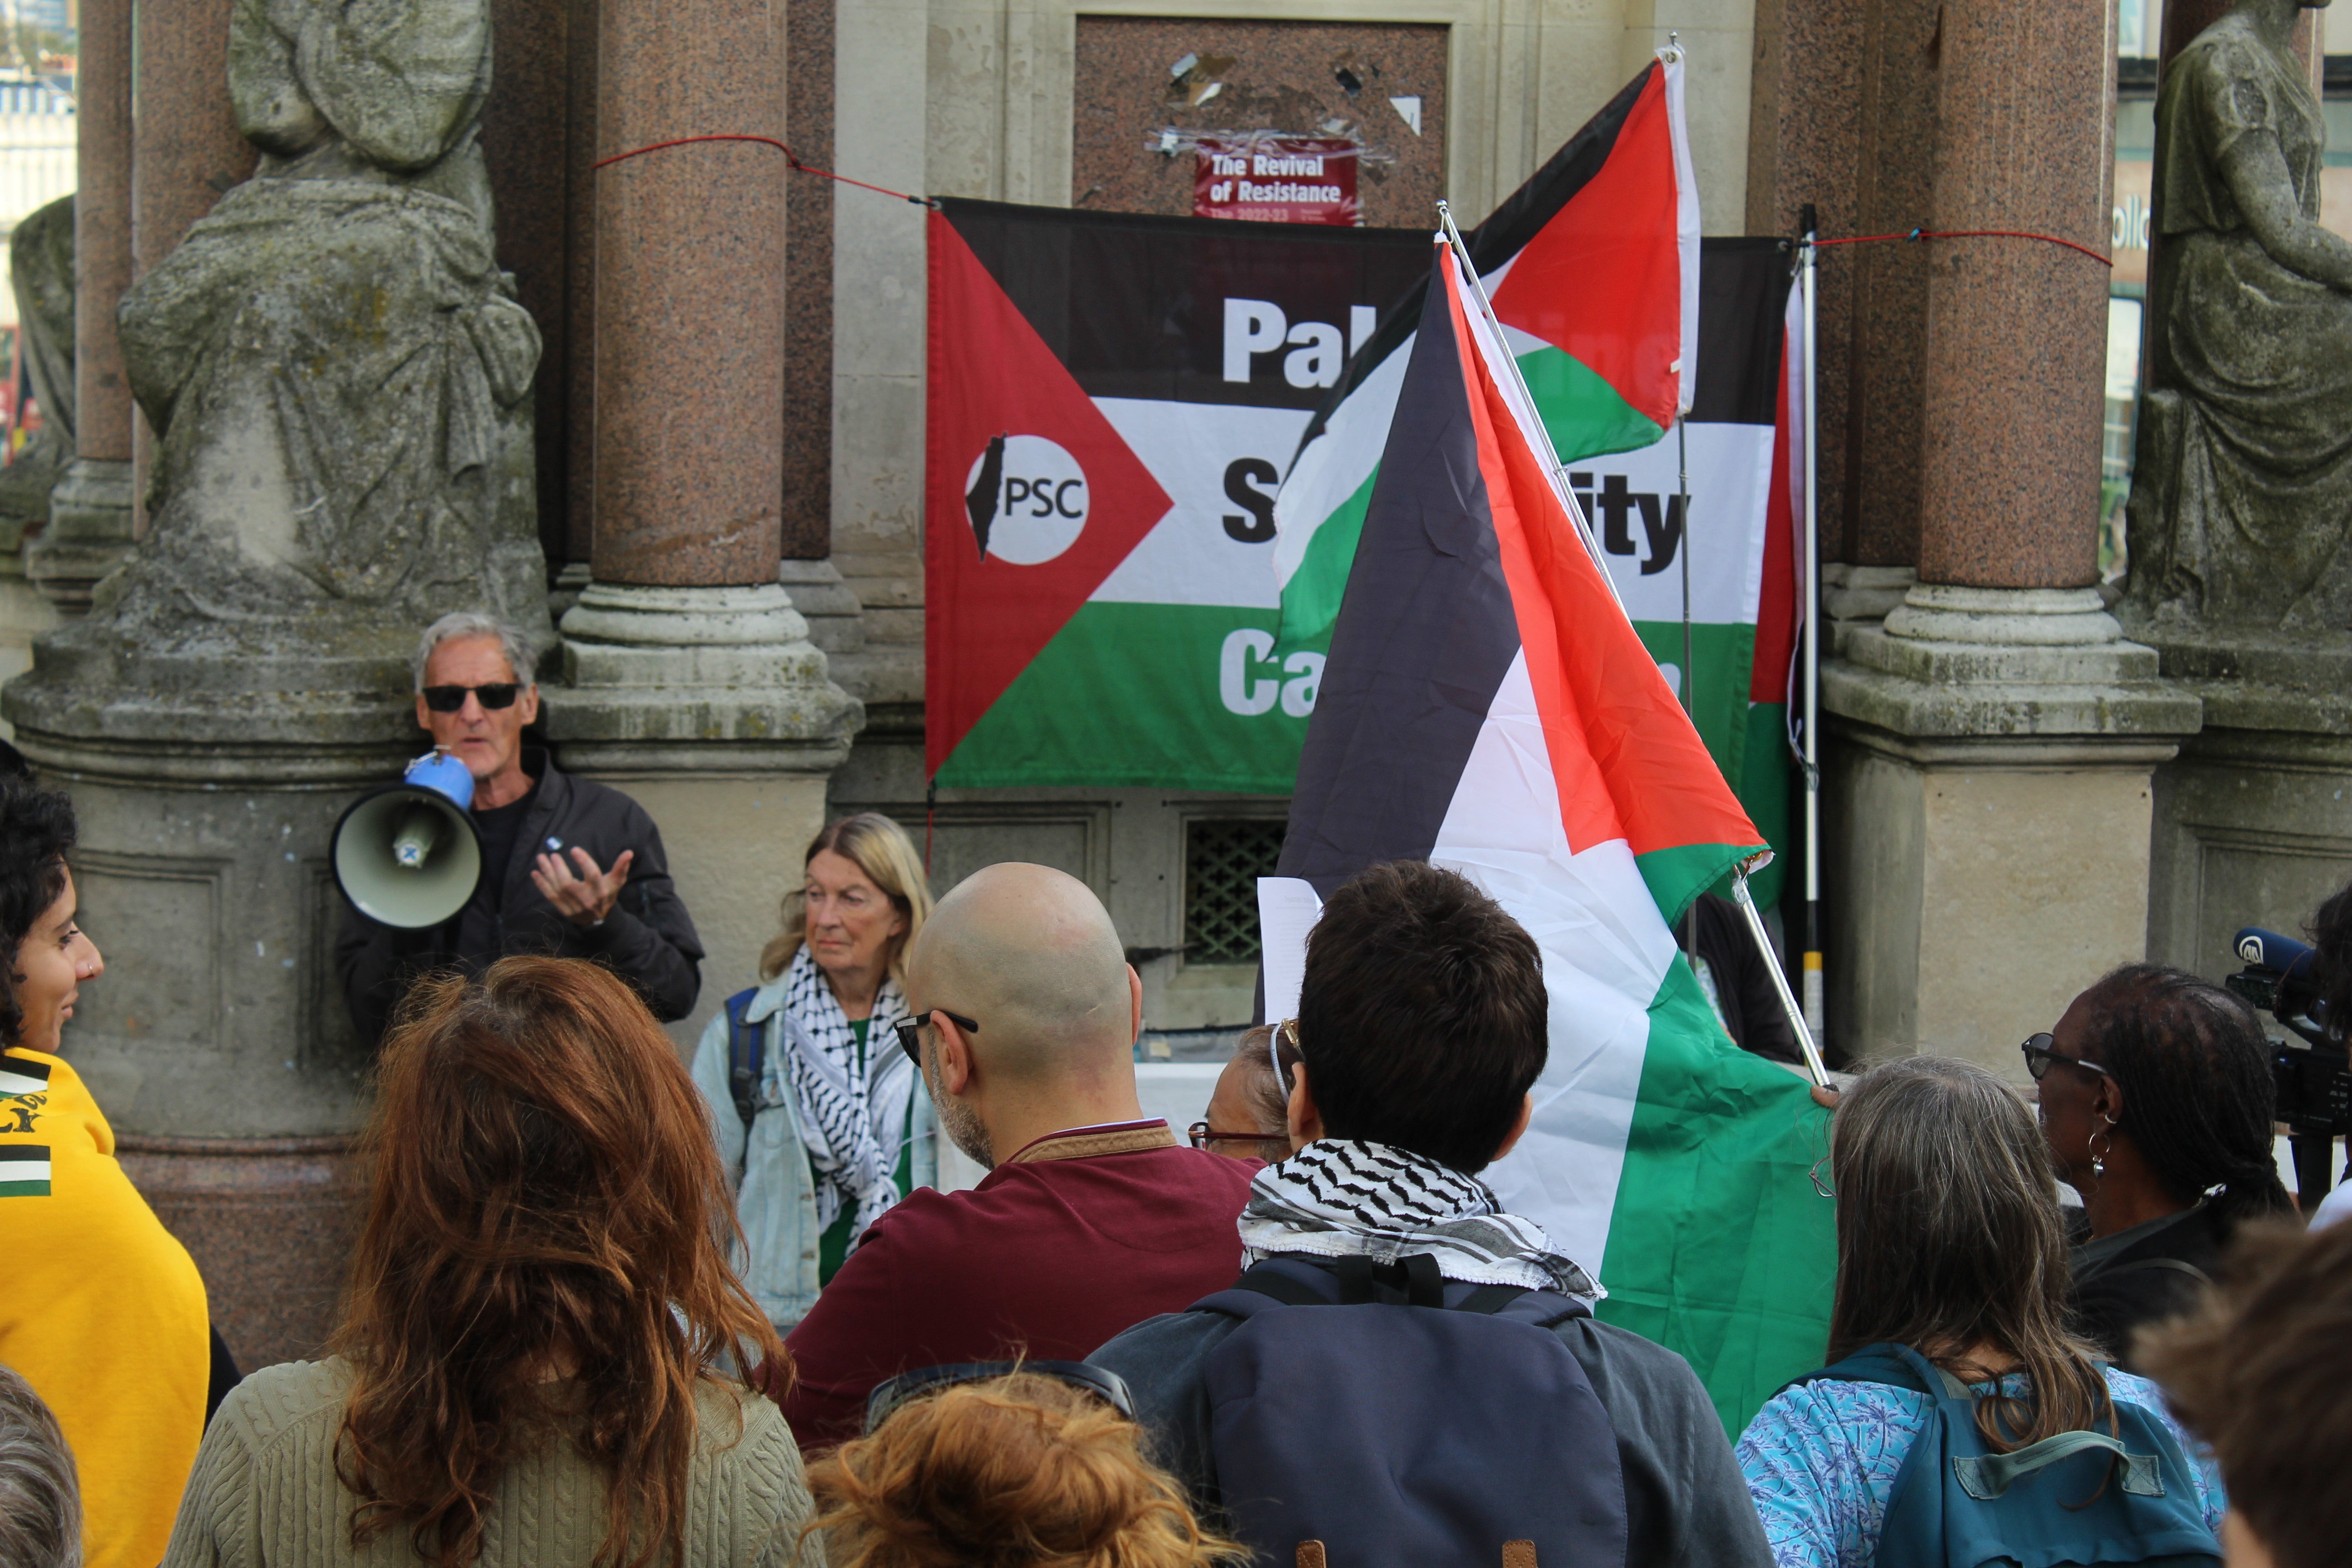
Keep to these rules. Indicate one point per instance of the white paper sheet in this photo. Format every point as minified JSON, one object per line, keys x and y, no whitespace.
{"x":1287,"y":908}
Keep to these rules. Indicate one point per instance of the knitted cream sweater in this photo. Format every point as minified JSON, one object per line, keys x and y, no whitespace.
{"x":263,"y":1493}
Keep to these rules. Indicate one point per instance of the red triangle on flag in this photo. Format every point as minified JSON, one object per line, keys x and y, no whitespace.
{"x":1031,"y":498}
{"x":1602,"y":281}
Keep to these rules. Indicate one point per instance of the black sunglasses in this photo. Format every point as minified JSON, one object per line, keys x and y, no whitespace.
{"x":2038,"y":1056}
{"x":912,"y":1043}
{"x":449,"y":699}
{"x":895,"y":1395}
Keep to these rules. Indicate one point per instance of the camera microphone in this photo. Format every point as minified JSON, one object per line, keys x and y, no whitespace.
{"x":2266,"y":949}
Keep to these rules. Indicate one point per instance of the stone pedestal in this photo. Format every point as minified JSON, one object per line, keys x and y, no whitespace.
{"x":1988,"y":772}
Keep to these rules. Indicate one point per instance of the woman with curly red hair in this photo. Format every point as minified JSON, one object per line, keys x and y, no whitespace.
{"x":536,"y":1361}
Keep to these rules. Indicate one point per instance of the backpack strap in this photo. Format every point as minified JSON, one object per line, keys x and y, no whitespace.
{"x":1897,"y":1366}
{"x":745,"y":1045}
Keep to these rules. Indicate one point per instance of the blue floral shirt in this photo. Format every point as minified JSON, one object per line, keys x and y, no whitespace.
{"x":1821,"y":1462}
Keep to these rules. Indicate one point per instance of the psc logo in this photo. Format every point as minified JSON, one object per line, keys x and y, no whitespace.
{"x":1027,"y":500}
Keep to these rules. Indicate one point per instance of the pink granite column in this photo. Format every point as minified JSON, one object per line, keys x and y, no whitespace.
{"x":190,"y":150}
{"x":689,"y":295}
{"x":2016,"y":340}
{"x":101,"y":230}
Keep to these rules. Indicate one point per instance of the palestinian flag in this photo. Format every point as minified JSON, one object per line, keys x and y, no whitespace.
{"x":1486,"y":707}
{"x":1111,"y":400}
{"x":24,"y":1170}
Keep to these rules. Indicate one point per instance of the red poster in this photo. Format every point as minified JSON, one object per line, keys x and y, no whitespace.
{"x":1277,"y":178}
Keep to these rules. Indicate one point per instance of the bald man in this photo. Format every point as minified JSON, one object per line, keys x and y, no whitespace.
{"x":1091,"y":1219}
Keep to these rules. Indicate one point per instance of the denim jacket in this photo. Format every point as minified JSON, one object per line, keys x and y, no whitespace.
{"x":775,"y":1198}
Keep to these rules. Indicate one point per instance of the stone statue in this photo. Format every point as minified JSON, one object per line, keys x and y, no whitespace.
{"x":336,"y":372}
{"x":2241,"y":491}
{"x":41,"y":269}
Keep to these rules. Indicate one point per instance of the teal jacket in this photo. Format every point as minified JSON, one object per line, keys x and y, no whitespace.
{"x":775,"y":1196}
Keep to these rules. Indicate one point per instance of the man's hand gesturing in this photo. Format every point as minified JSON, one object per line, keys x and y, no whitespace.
{"x":584,"y":899}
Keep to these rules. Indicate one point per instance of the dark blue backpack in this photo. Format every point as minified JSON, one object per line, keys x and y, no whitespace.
{"x":746,"y":1043}
{"x":2079,"y":1498}
{"x":1365,"y":1415}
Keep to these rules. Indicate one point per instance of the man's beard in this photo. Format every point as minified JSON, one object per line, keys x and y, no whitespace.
{"x":958,"y":1121}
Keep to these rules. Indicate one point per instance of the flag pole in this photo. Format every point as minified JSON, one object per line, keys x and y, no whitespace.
{"x":1809,"y":257}
{"x":1554,"y":470}
{"x":1814,"y":1064}
{"x":1683,"y":543}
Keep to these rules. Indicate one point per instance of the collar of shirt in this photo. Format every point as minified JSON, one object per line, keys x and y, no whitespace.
{"x":1101,"y":1138}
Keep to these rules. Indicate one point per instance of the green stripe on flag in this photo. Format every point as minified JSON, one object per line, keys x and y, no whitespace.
{"x":1586,"y":416}
{"x":1677,"y":876}
{"x":1718,"y":1245}
{"x":1144,"y":689}
{"x":1766,"y":786}
{"x":1310,"y":600}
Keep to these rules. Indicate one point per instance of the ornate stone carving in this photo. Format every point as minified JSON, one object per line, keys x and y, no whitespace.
{"x":2242,"y":491}
{"x":338,"y":376}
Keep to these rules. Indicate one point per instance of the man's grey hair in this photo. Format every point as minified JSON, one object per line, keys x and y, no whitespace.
{"x":518,"y":648}
{"x":40,"y":1501}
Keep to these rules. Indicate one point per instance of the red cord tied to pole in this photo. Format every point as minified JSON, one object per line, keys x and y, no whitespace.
{"x":1970,"y":234}
{"x":790,"y":157}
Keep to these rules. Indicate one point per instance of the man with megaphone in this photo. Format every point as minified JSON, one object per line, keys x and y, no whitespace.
{"x":483,"y":848}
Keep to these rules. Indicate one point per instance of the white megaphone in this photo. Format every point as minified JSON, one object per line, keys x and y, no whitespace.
{"x":408,"y":853}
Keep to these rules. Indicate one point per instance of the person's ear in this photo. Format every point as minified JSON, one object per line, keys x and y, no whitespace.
{"x":529,"y":703}
{"x":1518,"y":1128}
{"x":1134,"y":1006}
{"x":955,"y":1066}
{"x":423,"y":714}
{"x":2107,"y":1101}
{"x":1306,"y":1122}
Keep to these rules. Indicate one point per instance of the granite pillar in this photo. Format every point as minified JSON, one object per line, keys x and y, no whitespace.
{"x":89,"y":510}
{"x":1992,"y":742}
{"x":691,"y":678}
{"x":188,"y":152}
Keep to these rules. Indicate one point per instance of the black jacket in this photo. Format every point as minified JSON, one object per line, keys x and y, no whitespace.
{"x":2159,"y":1272}
{"x":648,"y":937}
{"x":1752,"y":1013}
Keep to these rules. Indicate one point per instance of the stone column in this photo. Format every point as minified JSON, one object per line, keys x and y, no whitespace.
{"x":692,"y":680}
{"x":89,"y":510}
{"x":1993,"y":741}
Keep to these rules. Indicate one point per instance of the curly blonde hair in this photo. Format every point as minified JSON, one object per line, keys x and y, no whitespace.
{"x":1023,"y":1471}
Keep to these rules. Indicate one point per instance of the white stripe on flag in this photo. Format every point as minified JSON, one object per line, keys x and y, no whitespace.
{"x":1606,"y":951}
{"x":1336,"y":464}
{"x":20,"y":1083}
{"x":35,"y":1168}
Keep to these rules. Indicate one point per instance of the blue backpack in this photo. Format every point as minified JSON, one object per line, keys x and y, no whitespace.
{"x":2084,"y":1498}
{"x":746,"y":1045}
{"x":1366,"y":1414}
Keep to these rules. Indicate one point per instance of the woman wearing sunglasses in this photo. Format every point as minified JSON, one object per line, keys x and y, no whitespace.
{"x":821,"y":1118}
{"x":2155,"y":1095}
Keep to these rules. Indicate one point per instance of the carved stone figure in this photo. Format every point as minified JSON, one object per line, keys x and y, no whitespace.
{"x":2241,"y":495}
{"x":41,"y":270}
{"x":336,"y":372}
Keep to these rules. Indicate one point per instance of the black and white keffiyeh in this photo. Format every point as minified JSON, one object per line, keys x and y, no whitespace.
{"x":1338,"y":1198}
{"x":853,"y":1122}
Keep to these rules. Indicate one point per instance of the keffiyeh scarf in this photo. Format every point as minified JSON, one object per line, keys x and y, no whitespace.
{"x":1337,"y":1198}
{"x":854,"y":1124}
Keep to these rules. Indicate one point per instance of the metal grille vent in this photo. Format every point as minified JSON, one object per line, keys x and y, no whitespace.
{"x":1222,"y":861}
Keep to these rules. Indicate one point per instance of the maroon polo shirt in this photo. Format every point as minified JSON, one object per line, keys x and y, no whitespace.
{"x":1079,"y":1235}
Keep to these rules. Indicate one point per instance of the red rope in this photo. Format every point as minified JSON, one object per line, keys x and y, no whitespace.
{"x":790,"y":157}
{"x":1972,"y":234}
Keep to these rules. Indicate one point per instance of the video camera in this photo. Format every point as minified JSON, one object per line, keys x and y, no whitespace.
{"x":2314,"y":1085}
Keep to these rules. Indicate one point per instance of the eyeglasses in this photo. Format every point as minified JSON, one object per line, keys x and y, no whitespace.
{"x":889,"y":1397}
{"x":911,"y":1042}
{"x":2038,"y":1056}
{"x":1202,"y":1135}
{"x":1820,"y":1185}
{"x":449,"y":699}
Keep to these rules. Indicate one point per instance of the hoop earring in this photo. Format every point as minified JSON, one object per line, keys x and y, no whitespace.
{"x":2099,"y":1155}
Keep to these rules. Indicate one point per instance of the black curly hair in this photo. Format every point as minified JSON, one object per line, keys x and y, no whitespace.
{"x":36,"y":832}
{"x":2199,"y":1097}
{"x":2331,"y":932}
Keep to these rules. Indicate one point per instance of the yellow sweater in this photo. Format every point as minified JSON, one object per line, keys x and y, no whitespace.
{"x":101,"y":1310}
{"x":264,"y":1490}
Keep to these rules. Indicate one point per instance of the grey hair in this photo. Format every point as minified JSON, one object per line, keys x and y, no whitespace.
{"x":40,"y":1501}
{"x":521,"y":655}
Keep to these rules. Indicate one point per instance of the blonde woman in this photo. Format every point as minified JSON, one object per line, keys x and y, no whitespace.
{"x":820,"y":1120}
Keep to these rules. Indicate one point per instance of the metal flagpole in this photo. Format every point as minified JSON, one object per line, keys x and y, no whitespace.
{"x":1683,"y":543}
{"x":1809,"y":259}
{"x":1821,"y":1074}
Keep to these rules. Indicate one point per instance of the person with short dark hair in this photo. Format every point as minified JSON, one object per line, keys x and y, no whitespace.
{"x":1948,"y":1244}
{"x":571,"y":868}
{"x":1017,"y":1470}
{"x":40,"y":1503}
{"x":537,"y":1362}
{"x":2156,"y":1097}
{"x":101,"y":1310}
{"x":2263,"y":1372}
{"x":1423,"y":1023}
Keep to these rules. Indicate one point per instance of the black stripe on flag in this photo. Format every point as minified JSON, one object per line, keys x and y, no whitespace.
{"x":1743,"y":300}
{"x":24,"y":1170}
{"x":21,"y":1075}
{"x":1424,"y":636}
